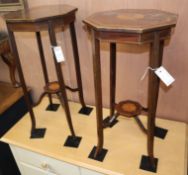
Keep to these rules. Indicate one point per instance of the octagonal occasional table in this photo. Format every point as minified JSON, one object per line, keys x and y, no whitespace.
{"x":133,"y":26}
{"x":48,"y":18}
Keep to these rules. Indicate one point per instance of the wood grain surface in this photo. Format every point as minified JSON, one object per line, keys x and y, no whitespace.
{"x":41,"y":13}
{"x":131,"y":20}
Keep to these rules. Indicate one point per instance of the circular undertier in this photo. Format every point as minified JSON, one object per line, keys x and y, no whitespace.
{"x":52,"y":87}
{"x":129,"y":108}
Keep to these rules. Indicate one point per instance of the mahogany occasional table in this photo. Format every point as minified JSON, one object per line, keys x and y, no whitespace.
{"x":47,"y":18}
{"x":135,"y":27}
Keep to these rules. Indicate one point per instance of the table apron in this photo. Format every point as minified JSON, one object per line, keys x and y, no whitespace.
{"x":132,"y":38}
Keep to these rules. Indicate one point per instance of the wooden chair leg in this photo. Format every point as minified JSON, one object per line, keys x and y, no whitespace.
{"x":10,"y":62}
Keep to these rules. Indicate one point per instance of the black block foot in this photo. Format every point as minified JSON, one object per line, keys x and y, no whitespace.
{"x":85,"y":110}
{"x":72,"y":141}
{"x":160,"y":132}
{"x":100,"y":157}
{"x":146,"y":164}
{"x":108,"y":123}
{"x":52,"y":107}
{"x":38,"y":133}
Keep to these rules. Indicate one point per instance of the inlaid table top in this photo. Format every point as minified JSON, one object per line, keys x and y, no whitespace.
{"x":39,"y":14}
{"x":131,"y":20}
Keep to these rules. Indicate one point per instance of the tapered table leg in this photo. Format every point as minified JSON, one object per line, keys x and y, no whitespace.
{"x":112,"y":77}
{"x":98,"y":91}
{"x":111,"y":119}
{"x":77,"y":63}
{"x":43,"y":63}
{"x":61,"y":79}
{"x":22,"y":80}
{"x":156,"y":52}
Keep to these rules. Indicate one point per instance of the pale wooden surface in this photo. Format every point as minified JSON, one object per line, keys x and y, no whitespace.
{"x":8,"y":95}
{"x":131,"y":20}
{"x":132,"y":60}
{"x":125,"y":142}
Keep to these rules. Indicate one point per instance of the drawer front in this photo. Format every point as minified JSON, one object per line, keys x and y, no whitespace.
{"x":89,"y":172}
{"x":44,"y":162}
{"x":31,"y":170}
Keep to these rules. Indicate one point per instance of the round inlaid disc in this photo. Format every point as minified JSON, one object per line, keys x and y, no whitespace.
{"x":129,"y":108}
{"x":52,"y":87}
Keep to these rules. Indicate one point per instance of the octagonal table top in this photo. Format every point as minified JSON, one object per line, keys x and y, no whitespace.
{"x":39,"y":14}
{"x":131,"y":20}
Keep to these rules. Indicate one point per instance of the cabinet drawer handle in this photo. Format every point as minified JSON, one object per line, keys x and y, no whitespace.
{"x":45,"y":166}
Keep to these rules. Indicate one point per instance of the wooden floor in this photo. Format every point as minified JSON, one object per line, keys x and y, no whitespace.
{"x":8,"y":95}
{"x":125,"y":142}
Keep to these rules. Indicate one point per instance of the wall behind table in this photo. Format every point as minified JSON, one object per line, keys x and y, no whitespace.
{"x":132,"y":60}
